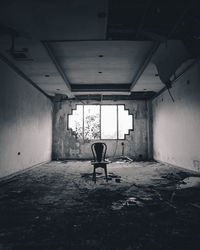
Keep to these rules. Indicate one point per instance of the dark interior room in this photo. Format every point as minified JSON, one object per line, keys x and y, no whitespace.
{"x":99,"y":125}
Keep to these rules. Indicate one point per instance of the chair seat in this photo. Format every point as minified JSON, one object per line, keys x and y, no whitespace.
{"x":100,"y":162}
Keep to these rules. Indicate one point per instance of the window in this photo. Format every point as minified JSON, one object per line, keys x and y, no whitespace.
{"x":94,"y":122}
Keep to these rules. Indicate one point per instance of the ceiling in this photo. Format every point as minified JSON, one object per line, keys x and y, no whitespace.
{"x":82,"y":48}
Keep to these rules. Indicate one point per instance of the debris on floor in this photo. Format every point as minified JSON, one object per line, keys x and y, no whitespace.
{"x":111,"y":176}
{"x":190,"y":182}
{"x":57,"y":206}
{"x":128,"y":202}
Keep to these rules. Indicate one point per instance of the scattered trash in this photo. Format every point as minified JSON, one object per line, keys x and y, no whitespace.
{"x":131,"y":201}
{"x":117,"y":206}
{"x":190,"y":182}
{"x":49,"y":203}
{"x":123,"y":159}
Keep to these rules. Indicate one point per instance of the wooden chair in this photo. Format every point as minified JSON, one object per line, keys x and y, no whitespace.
{"x":99,"y":152}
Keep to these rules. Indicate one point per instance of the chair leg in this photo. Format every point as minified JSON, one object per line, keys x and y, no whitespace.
{"x":94,"y":175}
{"x":105,"y":169}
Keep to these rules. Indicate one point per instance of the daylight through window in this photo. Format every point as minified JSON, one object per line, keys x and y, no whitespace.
{"x":94,"y":122}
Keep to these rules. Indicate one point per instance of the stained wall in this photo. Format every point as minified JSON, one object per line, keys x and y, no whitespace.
{"x":67,"y":146}
{"x":176,"y":125}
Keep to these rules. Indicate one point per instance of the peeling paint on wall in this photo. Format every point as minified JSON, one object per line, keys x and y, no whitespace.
{"x":67,"y":146}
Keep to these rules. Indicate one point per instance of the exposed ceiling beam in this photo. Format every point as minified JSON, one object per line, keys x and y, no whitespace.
{"x":97,"y":92}
{"x":58,"y":67}
{"x":100,"y":87}
{"x":117,"y":97}
{"x":144,"y":64}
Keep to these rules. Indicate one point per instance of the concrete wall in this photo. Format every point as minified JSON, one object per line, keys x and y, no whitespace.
{"x":25,"y":123}
{"x":66,"y":146}
{"x":176,"y":125}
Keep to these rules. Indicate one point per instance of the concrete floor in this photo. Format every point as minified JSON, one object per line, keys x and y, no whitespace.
{"x":144,"y":205}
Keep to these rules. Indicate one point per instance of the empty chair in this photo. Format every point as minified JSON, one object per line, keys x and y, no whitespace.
{"x":99,"y":152}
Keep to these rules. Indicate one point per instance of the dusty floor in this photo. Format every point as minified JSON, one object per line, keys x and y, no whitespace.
{"x":143,"y":206}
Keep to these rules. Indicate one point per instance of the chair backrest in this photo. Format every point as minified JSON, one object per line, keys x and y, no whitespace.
{"x":99,"y":151}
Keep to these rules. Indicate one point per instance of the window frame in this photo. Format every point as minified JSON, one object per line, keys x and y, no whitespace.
{"x":129,"y":113}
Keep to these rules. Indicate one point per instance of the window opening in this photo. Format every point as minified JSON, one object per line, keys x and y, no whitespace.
{"x":94,"y":122}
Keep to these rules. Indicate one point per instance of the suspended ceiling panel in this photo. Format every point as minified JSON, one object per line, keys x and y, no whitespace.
{"x":100,"y":62}
{"x":107,"y":62}
{"x":37,"y":66}
{"x":149,"y":80}
{"x":169,"y":56}
{"x":165,"y":61}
